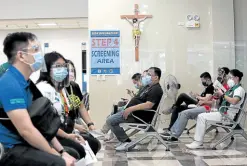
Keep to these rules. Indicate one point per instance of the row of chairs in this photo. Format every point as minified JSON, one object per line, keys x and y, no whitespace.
{"x":232,"y":128}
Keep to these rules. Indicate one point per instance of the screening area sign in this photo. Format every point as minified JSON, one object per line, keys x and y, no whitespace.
{"x":105,"y":52}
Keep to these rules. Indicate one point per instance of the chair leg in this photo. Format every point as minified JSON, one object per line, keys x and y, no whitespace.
{"x":210,"y":129}
{"x":244,"y":134}
{"x":162,"y":141}
{"x":192,"y":127}
{"x":228,"y":136}
{"x":133,"y":143}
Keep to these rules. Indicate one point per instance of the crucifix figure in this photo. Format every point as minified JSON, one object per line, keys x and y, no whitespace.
{"x":135,"y":21}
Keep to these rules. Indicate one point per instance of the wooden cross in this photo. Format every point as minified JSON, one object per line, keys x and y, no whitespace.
{"x":135,"y":20}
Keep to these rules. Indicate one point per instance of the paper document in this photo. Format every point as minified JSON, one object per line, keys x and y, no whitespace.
{"x":90,"y":156}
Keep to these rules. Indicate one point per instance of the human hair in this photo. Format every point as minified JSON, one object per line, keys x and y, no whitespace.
{"x":226,"y":70}
{"x":237,"y":73}
{"x":205,"y":75}
{"x":50,"y":59}
{"x":71,"y":63}
{"x":136,"y":76}
{"x":16,"y":42}
{"x":157,"y":71}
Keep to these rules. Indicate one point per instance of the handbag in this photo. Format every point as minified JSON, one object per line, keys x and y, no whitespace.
{"x":42,"y":113}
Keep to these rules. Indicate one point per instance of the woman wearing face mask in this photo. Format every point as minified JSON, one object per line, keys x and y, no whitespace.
{"x":51,"y":84}
{"x":77,"y":108}
{"x":233,"y":98}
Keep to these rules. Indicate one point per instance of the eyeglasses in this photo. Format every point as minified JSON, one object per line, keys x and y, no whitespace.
{"x":60,"y":65}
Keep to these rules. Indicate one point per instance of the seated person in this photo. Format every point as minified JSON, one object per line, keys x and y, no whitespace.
{"x":137,"y":81}
{"x":147,"y":98}
{"x":52,"y":85}
{"x":76,"y":101}
{"x":178,"y":127}
{"x":25,"y":146}
{"x":233,"y":98}
{"x":184,"y":98}
{"x":223,"y":76}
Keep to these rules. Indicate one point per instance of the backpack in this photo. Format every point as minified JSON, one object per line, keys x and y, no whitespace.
{"x":42,"y":113}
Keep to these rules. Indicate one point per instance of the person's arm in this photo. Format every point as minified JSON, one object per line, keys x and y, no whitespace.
{"x":21,"y":120}
{"x":56,"y":144}
{"x":85,"y":116}
{"x":206,"y":98}
{"x":144,"y":106}
{"x":233,"y":100}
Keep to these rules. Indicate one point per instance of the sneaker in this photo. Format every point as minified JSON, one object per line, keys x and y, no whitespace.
{"x":194,"y":145}
{"x":168,"y":137}
{"x":123,"y":147}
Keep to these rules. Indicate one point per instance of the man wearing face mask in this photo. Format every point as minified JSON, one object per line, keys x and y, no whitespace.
{"x":148,"y":98}
{"x":28,"y":146}
{"x":136,"y":81}
{"x":198,"y":99}
{"x":232,"y":98}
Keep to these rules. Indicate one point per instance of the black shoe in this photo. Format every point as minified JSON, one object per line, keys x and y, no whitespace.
{"x":166,"y":134}
{"x":170,"y":139}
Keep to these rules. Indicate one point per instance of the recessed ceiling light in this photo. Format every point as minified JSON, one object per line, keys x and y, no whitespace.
{"x":47,"y":24}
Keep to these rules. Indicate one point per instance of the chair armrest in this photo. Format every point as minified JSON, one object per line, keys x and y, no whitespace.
{"x":140,"y":118}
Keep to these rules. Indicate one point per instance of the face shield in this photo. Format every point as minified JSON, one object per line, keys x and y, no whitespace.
{"x":71,"y":73}
{"x":38,"y":56}
{"x":60,"y":75}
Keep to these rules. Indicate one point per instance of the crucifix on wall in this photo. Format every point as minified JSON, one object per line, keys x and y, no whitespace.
{"x":135,"y":21}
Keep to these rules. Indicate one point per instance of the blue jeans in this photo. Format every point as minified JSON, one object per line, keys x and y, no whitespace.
{"x":180,"y":124}
{"x":113,"y":123}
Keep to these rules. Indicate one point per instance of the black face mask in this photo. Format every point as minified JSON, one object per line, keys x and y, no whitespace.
{"x":204,"y":84}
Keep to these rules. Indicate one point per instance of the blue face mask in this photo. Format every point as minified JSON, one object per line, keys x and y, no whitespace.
{"x":147,"y":80}
{"x":59,"y":73}
{"x":39,"y":62}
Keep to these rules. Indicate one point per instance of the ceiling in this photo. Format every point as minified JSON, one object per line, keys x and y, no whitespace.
{"x":67,"y":23}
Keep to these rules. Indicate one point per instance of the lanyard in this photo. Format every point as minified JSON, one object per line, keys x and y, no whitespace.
{"x":65,"y":104}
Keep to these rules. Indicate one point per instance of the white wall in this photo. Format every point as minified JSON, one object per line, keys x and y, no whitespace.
{"x":26,"y":9}
{"x":241,"y":37}
{"x":185,"y":53}
{"x":65,"y":41}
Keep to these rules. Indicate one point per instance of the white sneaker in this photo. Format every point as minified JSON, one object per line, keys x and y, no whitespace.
{"x":194,"y":145}
{"x":123,"y":147}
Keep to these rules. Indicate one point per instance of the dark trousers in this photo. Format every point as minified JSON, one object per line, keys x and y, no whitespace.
{"x":178,"y":107}
{"x":25,"y":155}
{"x":79,"y":150}
{"x":94,"y":143}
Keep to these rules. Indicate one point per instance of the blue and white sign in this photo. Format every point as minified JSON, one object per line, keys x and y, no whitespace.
{"x":105,"y":52}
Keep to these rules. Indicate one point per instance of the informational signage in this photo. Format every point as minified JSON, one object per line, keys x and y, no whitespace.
{"x":105,"y":52}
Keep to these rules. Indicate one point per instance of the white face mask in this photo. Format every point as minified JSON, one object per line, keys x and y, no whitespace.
{"x":230,"y":83}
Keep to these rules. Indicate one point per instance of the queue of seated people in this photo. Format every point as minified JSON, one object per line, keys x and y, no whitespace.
{"x":26,"y":144}
{"x":187,"y":106}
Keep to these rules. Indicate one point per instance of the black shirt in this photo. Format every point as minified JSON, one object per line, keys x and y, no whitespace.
{"x":152,"y":94}
{"x":208,"y":90}
{"x":77,"y":92}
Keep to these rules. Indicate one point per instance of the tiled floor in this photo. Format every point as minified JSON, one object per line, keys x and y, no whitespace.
{"x":179,"y":155}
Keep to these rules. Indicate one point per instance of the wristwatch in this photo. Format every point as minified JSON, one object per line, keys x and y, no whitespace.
{"x":90,"y":124}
